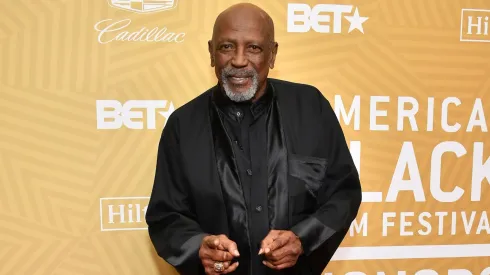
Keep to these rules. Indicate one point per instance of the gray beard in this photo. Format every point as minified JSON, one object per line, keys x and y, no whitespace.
{"x":239,"y":96}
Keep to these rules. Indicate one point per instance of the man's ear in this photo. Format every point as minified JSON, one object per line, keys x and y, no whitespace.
{"x":211,"y":52}
{"x":275,"y":47}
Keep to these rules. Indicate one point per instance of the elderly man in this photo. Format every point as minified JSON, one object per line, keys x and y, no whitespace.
{"x":254,"y":175}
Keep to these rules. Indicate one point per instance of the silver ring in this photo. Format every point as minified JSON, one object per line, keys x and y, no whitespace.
{"x":218,"y":266}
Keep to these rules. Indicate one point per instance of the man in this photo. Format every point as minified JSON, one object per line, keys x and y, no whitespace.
{"x":253,"y":176}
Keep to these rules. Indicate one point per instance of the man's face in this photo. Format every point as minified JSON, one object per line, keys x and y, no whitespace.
{"x":242,"y":51}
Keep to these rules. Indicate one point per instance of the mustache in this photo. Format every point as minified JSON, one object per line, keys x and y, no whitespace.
{"x":227,"y":72}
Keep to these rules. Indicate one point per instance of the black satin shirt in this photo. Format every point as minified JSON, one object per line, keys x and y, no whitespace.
{"x":245,"y":123}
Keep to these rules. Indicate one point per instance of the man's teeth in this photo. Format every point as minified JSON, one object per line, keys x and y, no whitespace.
{"x":239,"y":80}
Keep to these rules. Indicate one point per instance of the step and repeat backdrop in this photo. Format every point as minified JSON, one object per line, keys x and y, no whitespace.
{"x":87,"y":86}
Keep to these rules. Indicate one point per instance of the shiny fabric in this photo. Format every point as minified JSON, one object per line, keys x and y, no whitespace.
{"x":236,"y":209}
{"x":246,"y":124}
{"x":230,"y":181}
{"x":311,"y":170}
{"x":278,"y":171}
{"x":313,"y":185}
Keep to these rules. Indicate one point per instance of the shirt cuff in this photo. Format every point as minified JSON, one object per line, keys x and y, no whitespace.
{"x":312,"y":233}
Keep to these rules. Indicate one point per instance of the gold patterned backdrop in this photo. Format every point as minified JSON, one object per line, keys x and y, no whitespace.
{"x":86,"y":87}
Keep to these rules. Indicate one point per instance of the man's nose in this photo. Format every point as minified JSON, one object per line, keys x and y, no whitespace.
{"x":239,"y":59}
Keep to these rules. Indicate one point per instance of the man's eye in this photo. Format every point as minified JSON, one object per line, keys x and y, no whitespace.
{"x":226,"y":46}
{"x":255,"y":48}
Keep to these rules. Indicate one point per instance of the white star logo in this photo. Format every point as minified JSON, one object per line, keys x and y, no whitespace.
{"x":356,"y":21}
{"x":170,"y":110}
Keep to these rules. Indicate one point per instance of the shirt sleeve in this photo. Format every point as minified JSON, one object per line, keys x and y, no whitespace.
{"x":339,"y":197}
{"x":172,"y":226}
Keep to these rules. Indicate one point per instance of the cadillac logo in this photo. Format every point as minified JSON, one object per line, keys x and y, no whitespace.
{"x":144,"y":6}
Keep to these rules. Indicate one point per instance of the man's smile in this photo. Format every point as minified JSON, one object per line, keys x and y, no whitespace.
{"x":239,"y":80}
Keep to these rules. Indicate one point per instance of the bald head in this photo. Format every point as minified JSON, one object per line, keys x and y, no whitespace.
{"x":245,"y":12}
{"x":242,"y":50}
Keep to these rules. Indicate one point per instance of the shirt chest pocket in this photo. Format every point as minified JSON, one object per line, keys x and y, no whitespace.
{"x":306,"y":176}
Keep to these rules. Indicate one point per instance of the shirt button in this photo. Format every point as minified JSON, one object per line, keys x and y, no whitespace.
{"x":238,"y":114}
{"x":239,"y":145}
{"x":258,"y":208}
{"x":249,"y":172}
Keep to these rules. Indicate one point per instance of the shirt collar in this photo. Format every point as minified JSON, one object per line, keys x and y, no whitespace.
{"x":232,"y":108}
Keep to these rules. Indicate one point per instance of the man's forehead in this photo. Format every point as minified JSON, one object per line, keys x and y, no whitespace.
{"x":243,"y":20}
{"x":241,"y":27}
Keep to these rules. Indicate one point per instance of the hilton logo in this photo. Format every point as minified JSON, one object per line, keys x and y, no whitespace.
{"x":123,"y":213}
{"x":474,"y":25}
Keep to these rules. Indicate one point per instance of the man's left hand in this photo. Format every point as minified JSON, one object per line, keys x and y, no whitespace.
{"x":281,"y":249}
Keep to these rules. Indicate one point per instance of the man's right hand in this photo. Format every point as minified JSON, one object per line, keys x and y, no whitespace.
{"x":218,"y":249}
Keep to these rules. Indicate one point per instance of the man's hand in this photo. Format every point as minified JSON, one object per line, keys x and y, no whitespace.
{"x":218,"y":249}
{"x":281,"y":249}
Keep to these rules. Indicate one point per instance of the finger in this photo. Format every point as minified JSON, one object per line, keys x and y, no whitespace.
{"x":273,"y":234}
{"x":220,"y":255}
{"x":216,"y":255}
{"x":225,"y":265}
{"x":229,"y":245}
{"x":278,"y":267}
{"x":292,"y":249}
{"x":210,"y":263}
{"x":280,"y":242}
{"x":232,"y":268}
{"x":285,"y":259}
{"x":286,"y":238}
{"x":209,"y":266}
{"x":212,"y":242}
{"x":278,"y":254}
{"x":223,"y":240}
